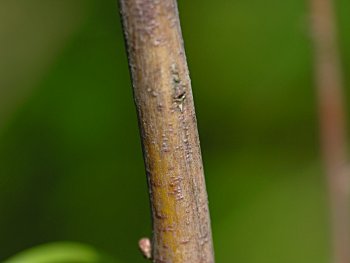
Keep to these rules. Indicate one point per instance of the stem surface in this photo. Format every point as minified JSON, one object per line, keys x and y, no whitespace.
{"x":167,"y":121}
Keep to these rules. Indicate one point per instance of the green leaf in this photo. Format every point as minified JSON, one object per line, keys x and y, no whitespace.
{"x":60,"y":252}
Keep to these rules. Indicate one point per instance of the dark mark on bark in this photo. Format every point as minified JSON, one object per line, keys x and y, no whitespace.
{"x":179,"y":92}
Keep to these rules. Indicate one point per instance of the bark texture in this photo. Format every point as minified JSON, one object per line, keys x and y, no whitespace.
{"x":167,"y":121}
{"x":329,"y":84}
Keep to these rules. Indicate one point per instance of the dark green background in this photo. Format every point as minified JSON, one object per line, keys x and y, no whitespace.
{"x":70,"y":158}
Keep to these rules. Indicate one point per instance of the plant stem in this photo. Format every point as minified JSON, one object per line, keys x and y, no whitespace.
{"x":329,"y":85}
{"x":167,"y":121}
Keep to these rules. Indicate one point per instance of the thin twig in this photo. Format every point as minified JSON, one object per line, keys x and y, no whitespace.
{"x":167,"y":121}
{"x":332,"y":124}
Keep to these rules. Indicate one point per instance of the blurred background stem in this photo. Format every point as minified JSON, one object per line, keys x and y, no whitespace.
{"x":328,"y":78}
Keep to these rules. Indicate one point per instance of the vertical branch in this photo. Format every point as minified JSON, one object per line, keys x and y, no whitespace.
{"x":332,"y":124}
{"x":167,"y":121}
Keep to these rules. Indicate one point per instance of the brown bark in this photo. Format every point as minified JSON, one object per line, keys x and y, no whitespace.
{"x":167,"y":121}
{"x":329,"y":85}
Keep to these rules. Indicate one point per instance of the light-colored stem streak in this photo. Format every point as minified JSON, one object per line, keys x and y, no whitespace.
{"x":167,"y":121}
{"x":329,"y":85}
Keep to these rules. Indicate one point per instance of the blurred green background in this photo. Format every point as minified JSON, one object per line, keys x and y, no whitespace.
{"x":71,"y":165}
